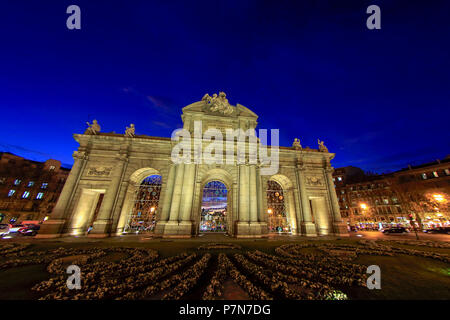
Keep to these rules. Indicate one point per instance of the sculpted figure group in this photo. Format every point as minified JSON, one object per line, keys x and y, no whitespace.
{"x":218,"y":103}
{"x":94,"y":128}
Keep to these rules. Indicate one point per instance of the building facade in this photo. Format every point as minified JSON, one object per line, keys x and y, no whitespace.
{"x":372,"y":201}
{"x":127,"y":183}
{"x":29,"y":189}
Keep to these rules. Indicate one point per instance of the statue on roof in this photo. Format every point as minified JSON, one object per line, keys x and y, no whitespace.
{"x":218,"y":103}
{"x":296,"y":144}
{"x":93,"y":128}
{"x":322,"y":147}
{"x":129,"y":131}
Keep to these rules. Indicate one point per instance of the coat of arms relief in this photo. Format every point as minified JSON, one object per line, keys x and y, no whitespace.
{"x":314,"y":181}
{"x":99,"y":171}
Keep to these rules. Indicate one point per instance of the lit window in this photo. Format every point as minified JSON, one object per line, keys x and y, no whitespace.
{"x":386,"y":201}
{"x":11,"y":192}
{"x":342,"y":191}
{"x":39,"y":195}
{"x":31,"y":183}
{"x":25,"y":195}
{"x":447,"y":172}
{"x":334,"y":179}
{"x":44,"y":185}
{"x":2,"y":180}
{"x":424,"y":176}
{"x":52,"y":167}
{"x":339,"y":178}
{"x":17,"y":182}
{"x":435,"y":174}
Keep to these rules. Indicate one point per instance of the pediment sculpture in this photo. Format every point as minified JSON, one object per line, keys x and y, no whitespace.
{"x":218,"y":104}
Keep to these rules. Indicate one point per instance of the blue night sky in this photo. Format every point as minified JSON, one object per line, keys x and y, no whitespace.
{"x":378,"y":98}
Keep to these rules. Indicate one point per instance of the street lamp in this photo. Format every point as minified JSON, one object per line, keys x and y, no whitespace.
{"x":363,"y":206}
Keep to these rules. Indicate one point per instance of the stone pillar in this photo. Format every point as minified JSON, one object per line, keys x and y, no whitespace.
{"x":243,"y":224}
{"x":253,"y":194}
{"x":102,"y":226}
{"x":127,"y":205}
{"x":340,"y":228}
{"x":185,"y":223}
{"x":177,"y":191}
{"x":52,"y":228}
{"x":292,"y":212}
{"x":171,"y":228}
{"x":166,"y":201}
{"x":307,"y":227}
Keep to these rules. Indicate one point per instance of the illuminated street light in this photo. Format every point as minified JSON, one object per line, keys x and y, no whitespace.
{"x":363,"y":206}
{"x":269,"y":210}
{"x":152,"y":209}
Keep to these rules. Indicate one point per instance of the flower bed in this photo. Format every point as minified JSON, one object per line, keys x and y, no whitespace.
{"x":212,"y":246}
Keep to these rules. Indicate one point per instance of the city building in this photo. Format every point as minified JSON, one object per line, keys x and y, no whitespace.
{"x":128,"y":183}
{"x":29,"y":189}
{"x":421,"y":193}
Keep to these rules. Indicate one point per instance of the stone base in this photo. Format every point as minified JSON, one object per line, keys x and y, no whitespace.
{"x":51,"y":228}
{"x":251,"y":230}
{"x":308,"y":229}
{"x":100,"y":229}
{"x":340,"y":229}
{"x":175,"y":229}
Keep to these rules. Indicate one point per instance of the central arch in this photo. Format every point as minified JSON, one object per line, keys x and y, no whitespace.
{"x":214,"y":209}
{"x":218,"y":177}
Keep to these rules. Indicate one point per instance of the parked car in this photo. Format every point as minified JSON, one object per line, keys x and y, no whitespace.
{"x":442,"y":230}
{"x":15,"y":228}
{"x":29,"y":230}
{"x":4,"y":229}
{"x":395,"y":230}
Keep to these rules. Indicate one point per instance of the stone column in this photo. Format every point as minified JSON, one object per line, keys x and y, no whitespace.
{"x":292,"y":212}
{"x":243,"y":194}
{"x":185,"y":223}
{"x":171,"y":228}
{"x":127,"y":204}
{"x":243,"y":226}
{"x":340,"y":228}
{"x":177,"y":191}
{"x":167,"y":201}
{"x":307,"y":227}
{"x":253,"y":194}
{"x":52,"y":228}
{"x":102,"y":225}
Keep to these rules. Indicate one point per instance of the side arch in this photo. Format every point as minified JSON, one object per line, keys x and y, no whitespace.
{"x":133,"y":184}
{"x":288,"y":189}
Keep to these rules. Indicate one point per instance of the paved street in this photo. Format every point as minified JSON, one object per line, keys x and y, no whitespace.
{"x":377,"y":235}
{"x":220,"y":237}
